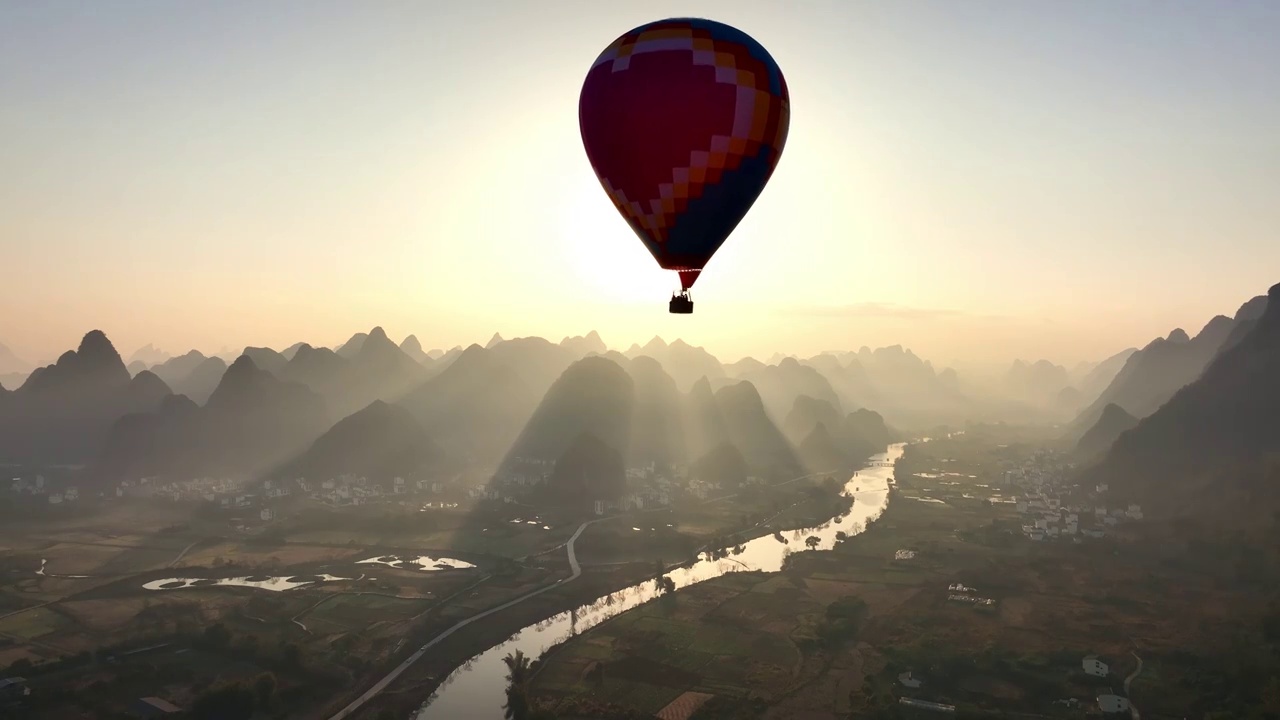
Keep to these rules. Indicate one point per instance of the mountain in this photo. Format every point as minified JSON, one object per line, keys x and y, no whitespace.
{"x":377,"y":369}
{"x":494,"y":341}
{"x":589,"y":469}
{"x":864,"y":433}
{"x":10,"y":363}
{"x":176,"y":369}
{"x":192,"y":374}
{"x":1246,"y":319}
{"x":200,"y":383}
{"x":657,"y":417}
{"x":848,"y":379}
{"x":910,"y":394}
{"x":538,"y":361}
{"x":476,"y":406}
{"x":779,"y":386}
{"x":1092,"y":379}
{"x":63,"y":412}
{"x":136,"y":367}
{"x":723,"y":465}
{"x":1037,"y":382}
{"x":1103,"y":434}
{"x":1211,"y":450}
{"x":594,"y":395}
{"x":413,"y":349}
{"x":582,"y":346}
{"x":380,"y":442}
{"x":704,"y":423}
{"x":821,"y":452}
{"x":265,"y":358}
{"x":743,"y":367}
{"x":806,"y":414}
{"x":749,"y":428}
{"x":252,"y":423}
{"x":1153,"y":374}
{"x":292,"y":350}
{"x":352,"y":346}
{"x":684,"y":362}
{"x":148,"y":355}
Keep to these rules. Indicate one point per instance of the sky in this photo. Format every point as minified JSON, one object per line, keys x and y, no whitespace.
{"x":977,"y":181}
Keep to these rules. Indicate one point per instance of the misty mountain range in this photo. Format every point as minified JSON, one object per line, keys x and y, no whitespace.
{"x":376,"y":407}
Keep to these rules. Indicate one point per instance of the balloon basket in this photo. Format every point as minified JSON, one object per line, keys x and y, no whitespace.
{"x":681,"y":304}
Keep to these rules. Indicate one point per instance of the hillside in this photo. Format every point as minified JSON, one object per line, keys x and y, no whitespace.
{"x":1103,"y":434}
{"x":1211,"y":450}
{"x":594,"y":395}
{"x":381,"y":442}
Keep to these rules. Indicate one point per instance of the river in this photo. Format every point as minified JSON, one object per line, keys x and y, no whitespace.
{"x":476,"y":690}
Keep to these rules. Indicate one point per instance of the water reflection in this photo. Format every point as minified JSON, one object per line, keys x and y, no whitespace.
{"x":261,"y":582}
{"x":420,"y":562}
{"x":475,"y":689}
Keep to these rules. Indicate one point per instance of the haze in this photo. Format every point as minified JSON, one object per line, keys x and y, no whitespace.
{"x":977,"y":181}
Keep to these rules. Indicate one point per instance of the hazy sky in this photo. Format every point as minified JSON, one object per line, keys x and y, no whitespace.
{"x":975,"y":180}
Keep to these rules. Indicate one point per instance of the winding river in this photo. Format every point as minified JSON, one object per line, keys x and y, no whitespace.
{"x":476,"y":689}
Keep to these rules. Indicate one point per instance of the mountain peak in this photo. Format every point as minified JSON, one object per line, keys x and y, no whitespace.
{"x":1178,"y":336}
{"x":495,"y":340}
{"x":411,"y":345}
{"x":377,"y":333}
{"x":96,"y":345}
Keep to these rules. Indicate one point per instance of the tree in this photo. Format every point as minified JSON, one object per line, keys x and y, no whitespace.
{"x":264,"y":689}
{"x":217,"y":636}
{"x":812,"y":541}
{"x":517,"y":705}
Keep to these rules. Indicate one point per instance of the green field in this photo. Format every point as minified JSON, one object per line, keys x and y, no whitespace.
{"x":32,"y":624}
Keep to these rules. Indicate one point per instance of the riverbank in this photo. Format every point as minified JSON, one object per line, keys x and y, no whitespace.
{"x":829,"y":636}
{"x":470,"y":692}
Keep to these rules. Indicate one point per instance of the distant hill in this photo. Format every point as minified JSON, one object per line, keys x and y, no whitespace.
{"x":779,"y":386}
{"x":750,"y":429}
{"x":582,"y":346}
{"x":176,"y":369}
{"x":413,"y":349}
{"x":192,"y":374}
{"x":1095,"y":378}
{"x":594,"y":395}
{"x":806,"y":414}
{"x":849,"y":379}
{"x":380,"y":442}
{"x":1153,"y":374}
{"x":538,"y":362}
{"x":476,"y":406}
{"x":148,"y":355}
{"x":704,"y":422}
{"x":1099,"y":438}
{"x":657,"y":418}
{"x":265,"y":358}
{"x":11,"y":363}
{"x":377,"y":369}
{"x":1212,"y":449}
{"x":685,"y":363}
{"x":352,"y":346}
{"x":63,"y":412}
{"x":1039,"y":382}
{"x":252,"y":422}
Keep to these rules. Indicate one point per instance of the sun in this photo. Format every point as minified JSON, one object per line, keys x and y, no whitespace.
{"x":606,"y":256}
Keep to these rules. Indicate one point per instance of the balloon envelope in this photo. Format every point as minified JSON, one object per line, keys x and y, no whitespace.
{"x":683,"y":121}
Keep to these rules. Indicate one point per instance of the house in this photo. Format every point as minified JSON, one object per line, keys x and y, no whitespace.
{"x":55,"y":499}
{"x":1113,"y":703}
{"x":909,"y":680}
{"x":14,"y":687}
{"x":267,"y":514}
{"x":1095,"y":667}
{"x":151,"y":707}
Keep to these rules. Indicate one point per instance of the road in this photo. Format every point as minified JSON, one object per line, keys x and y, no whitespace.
{"x":1133,"y":709}
{"x":396,"y":672}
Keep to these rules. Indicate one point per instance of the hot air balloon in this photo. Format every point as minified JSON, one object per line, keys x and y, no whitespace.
{"x":683,"y":121}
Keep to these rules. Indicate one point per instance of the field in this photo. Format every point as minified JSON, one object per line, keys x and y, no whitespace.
{"x":1052,"y":605}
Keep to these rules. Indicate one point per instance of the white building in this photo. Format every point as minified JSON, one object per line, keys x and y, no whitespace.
{"x":267,"y":514}
{"x":55,"y":499}
{"x":1095,"y":667}
{"x":1113,"y":703}
{"x":909,"y":680}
